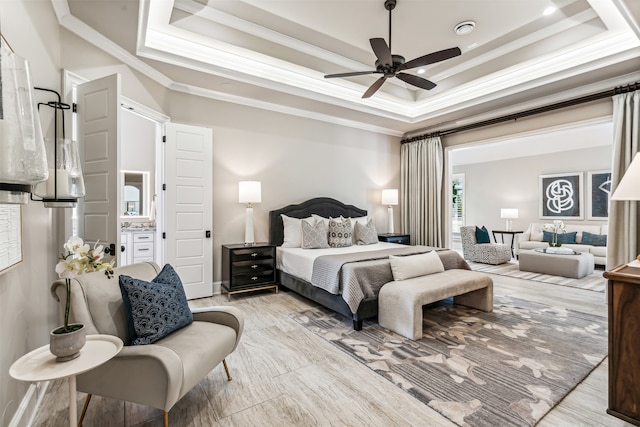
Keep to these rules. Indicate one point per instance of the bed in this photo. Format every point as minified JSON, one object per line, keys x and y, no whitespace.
{"x":351,"y":291}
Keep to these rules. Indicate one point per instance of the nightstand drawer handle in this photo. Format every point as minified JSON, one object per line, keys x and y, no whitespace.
{"x":254,"y":278}
{"x":254,"y":266}
{"x":255,"y":254}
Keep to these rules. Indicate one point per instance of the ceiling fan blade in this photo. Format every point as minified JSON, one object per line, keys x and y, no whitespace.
{"x":382,"y":51}
{"x":416,"y":81}
{"x":431,"y":58}
{"x":374,"y":87}
{"x":355,"y":73}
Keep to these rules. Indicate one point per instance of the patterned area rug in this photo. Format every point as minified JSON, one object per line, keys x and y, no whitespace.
{"x":506,"y":368}
{"x":593,"y":282}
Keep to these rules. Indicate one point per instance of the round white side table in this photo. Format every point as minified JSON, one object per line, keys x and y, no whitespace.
{"x":41,"y":365}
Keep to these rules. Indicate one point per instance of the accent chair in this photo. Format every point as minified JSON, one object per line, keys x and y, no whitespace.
{"x":157,"y":374}
{"x":485,"y":253}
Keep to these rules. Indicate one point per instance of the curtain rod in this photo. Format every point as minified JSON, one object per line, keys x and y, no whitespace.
{"x":593,"y":97}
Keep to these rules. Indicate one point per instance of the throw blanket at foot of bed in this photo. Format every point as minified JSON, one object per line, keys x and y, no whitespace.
{"x":357,"y":276}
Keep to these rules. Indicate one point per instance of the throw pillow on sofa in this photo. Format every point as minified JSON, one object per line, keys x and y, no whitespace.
{"x":594,"y":239}
{"x":564,"y":238}
{"x":482,"y":235}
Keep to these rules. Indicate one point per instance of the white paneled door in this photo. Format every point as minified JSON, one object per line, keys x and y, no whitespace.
{"x":189,"y":207}
{"x":98,"y":133}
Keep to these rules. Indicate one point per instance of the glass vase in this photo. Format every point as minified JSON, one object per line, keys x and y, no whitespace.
{"x":22,"y":153}
{"x":65,"y":183}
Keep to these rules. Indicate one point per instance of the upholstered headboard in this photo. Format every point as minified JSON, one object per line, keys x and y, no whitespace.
{"x":323,"y":206}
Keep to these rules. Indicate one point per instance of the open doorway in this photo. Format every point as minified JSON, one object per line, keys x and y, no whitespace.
{"x":141,"y":215}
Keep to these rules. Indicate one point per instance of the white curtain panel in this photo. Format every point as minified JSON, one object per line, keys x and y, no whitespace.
{"x":624,"y":228}
{"x":421,"y":170}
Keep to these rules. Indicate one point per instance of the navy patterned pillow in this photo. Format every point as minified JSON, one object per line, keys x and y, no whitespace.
{"x":154,"y":309}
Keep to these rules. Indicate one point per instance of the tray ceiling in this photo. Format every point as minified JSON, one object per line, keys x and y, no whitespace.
{"x":273,"y":54}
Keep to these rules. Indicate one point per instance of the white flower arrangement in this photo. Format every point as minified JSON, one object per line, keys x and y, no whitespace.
{"x":556,"y":227}
{"x":77,"y":259}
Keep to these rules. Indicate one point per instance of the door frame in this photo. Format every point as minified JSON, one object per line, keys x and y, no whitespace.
{"x":70,"y":80}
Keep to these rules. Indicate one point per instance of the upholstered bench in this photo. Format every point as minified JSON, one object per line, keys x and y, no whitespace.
{"x":400,"y":302}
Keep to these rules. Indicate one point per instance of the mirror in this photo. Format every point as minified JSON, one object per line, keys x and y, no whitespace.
{"x":135,"y":194}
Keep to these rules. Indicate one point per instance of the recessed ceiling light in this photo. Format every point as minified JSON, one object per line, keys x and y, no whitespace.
{"x":464,"y":28}
{"x":421,"y":71}
{"x":548,"y":11}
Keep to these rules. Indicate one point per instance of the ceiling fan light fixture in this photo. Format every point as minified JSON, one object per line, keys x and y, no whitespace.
{"x":464,"y":28}
{"x":392,"y":66}
{"x":421,"y":71}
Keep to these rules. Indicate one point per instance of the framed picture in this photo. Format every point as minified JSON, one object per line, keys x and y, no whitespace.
{"x":598,"y":191}
{"x":10,"y":236}
{"x":561,"y":196}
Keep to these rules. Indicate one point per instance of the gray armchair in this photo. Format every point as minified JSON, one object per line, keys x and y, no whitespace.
{"x":486,"y":253}
{"x":157,"y":374}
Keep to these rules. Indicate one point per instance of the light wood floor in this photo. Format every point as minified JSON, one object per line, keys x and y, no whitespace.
{"x":284,"y":375}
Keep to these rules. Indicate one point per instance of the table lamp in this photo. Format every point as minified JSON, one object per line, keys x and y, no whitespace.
{"x":390,"y":198}
{"x":629,"y":186}
{"x":249,"y":192}
{"x":508,"y":214}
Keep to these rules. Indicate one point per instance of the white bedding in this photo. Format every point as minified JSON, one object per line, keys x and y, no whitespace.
{"x":298,"y":262}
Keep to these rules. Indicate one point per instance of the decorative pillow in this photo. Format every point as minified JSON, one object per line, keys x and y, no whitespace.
{"x":154,"y":309}
{"x":482,"y":235}
{"x":363,"y":220}
{"x":292,"y":232}
{"x":314,"y":234}
{"x":564,"y":238}
{"x":406,"y":267}
{"x":365,"y":234}
{"x":321,"y":218}
{"x":340,"y":232}
{"x":594,"y":239}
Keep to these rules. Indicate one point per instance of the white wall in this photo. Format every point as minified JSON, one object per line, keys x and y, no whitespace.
{"x":294,"y":158}
{"x":27,"y":311}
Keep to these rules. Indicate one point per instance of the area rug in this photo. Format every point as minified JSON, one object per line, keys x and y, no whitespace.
{"x":505,"y":368}
{"x":593,"y":282}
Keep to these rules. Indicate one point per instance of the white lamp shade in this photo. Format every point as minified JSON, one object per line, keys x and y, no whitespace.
{"x":249,"y":192}
{"x":629,"y":186}
{"x":509,"y":213}
{"x":390,"y":197}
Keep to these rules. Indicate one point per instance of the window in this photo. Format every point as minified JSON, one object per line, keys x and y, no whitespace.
{"x":457,"y":209}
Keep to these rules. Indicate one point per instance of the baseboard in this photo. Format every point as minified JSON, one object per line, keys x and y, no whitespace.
{"x":217,"y":288}
{"x":26,"y":413}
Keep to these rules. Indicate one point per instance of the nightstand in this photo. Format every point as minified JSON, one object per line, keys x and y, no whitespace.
{"x":248,"y":268}
{"x":403,"y":239}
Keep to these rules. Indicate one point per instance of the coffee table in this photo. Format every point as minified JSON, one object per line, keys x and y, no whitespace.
{"x":40,"y":365}
{"x":576,"y":265}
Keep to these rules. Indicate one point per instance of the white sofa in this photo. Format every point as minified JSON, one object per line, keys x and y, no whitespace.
{"x":532,"y":239}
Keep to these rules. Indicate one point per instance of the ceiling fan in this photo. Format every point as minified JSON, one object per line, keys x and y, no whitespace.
{"x":392,"y":65}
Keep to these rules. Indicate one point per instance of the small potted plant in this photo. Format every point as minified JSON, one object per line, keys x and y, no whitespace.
{"x":77,"y":258}
{"x":557,"y":227}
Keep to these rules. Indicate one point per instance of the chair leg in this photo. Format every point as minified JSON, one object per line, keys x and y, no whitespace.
{"x":84,"y":409}
{"x":226,"y":369}
{"x":166,"y":419}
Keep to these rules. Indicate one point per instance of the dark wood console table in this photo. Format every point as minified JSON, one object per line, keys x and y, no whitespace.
{"x":502,"y":233}
{"x":623,"y":292}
